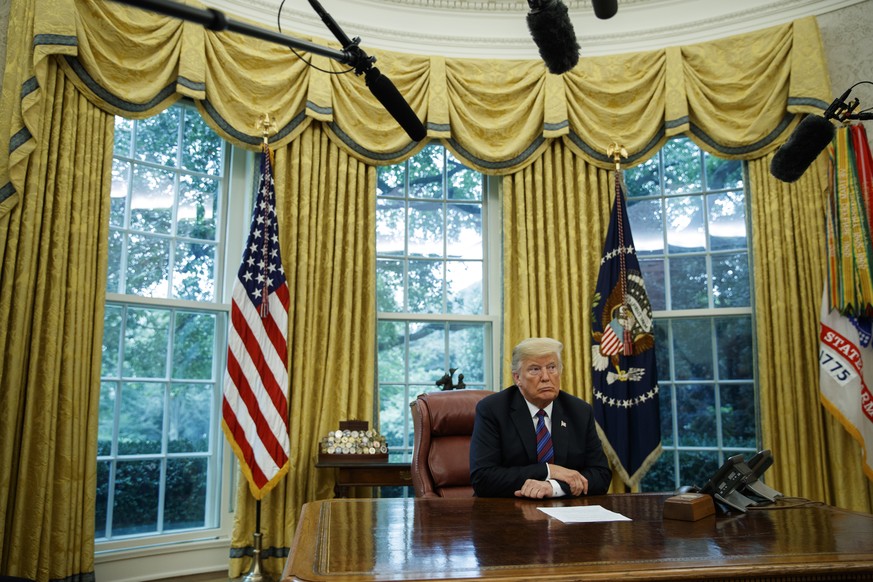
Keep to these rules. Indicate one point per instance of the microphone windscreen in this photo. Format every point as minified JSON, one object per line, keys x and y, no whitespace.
{"x":604,"y":9}
{"x":811,"y":136}
{"x":553,"y":33}
{"x":384,"y":90}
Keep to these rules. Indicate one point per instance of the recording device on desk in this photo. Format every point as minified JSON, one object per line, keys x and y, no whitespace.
{"x":737,"y":486}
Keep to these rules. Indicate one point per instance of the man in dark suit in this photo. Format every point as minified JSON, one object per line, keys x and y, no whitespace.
{"x":504,"y":448}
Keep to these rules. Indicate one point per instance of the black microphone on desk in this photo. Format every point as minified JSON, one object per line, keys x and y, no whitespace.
{"x":552,"y":32}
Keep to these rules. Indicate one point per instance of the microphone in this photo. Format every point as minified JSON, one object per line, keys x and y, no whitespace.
{"x":552,"y":32}
{"x":605,"y":9}
{"x":811,"y":136}
{"x":384,"y":90}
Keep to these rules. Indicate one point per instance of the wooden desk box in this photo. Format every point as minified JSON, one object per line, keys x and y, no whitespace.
{"x":689,"y":506}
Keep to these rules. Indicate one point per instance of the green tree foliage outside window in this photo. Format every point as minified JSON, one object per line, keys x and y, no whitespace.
{"x":157,"y":456}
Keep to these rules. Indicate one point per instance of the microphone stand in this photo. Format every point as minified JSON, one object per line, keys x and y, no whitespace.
{"x":351,"y":54}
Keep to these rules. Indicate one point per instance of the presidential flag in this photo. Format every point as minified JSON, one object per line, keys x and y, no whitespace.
{"x":255,"y":405}
{"x":845,"y":353}
{"x":626,"y":404}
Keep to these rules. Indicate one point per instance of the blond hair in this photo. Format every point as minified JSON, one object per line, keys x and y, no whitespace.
{"x":535,"y":347}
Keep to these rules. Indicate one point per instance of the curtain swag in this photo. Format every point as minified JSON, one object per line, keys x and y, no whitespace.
{"x":496,"y":115}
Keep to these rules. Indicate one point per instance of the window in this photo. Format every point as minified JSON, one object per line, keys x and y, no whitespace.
{"x":433,"y":222}
{"x":159,"y":462}
{"x":687,"y":211}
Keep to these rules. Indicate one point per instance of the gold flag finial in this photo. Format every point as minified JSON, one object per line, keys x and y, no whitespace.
{"x":616,"y":151}
{"x":265,"y":124}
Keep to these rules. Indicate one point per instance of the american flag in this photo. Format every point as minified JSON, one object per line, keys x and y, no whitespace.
{"x":255,"y":405}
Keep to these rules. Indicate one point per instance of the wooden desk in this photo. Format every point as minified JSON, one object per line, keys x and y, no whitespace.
{"x":509,"y":539}
{"x":357,"y":474}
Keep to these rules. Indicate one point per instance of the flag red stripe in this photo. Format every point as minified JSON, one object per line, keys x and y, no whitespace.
{"x":242,"y":443}
{"x":268,"y":439}
{"x":273,"y":389}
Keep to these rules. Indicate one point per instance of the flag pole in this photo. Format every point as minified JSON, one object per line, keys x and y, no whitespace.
{"x":256,"y":573}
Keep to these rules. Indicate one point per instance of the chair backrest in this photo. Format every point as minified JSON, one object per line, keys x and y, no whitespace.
{"x":443,"y":424}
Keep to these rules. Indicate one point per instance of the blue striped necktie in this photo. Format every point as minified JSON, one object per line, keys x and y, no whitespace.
{"x":545,"y":453}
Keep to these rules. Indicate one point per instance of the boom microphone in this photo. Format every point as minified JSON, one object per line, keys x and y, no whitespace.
{"x":552,"y":32}
{"x":811,"y":136}
{"x":605,"y":9}
{"x":384,"y":90}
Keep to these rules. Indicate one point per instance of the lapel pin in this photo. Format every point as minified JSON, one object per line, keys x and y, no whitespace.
{"x":563,"y":423}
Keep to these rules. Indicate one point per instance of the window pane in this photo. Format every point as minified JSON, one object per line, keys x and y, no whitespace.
{"x":643,"y":180}
{"x":696,"y":467}
{"x":157,"y":138}
{"x":425,"y":282}
{"x":141,"y":419}
{"x":730,"y":280}
{"x":646,"y":226}
{"x":688,"y":283}
{"x":392,"y":351}
{"x":663,"y":354}
{"x":148,"y":266}
{"x":190,"y":412}
{"x":464,"y":231}
{"x":662,"y":476}
{"x":427,"y":352}
{"x":146,"y":342}
{"x":136,"y":497}
{"x":734,"y":340}
{"x":390,"y":180}
{"x":685,"y":224}
{"x":681,"y":166}
{"x":695,"y":407}
{"x":464,"y":287}
{"x":106,"y":415}
{"x":392,"y":416}
{"x":123,"y":136}
{"x":738,"y":415}
{"x":727,"y":221}
{"x":467,"y":352}
{"x":426,"y":173}
{"x":102,"y":506}
{"x":203,"y":148}
{"x":111,"y":341}
{"x":194,"y":273}
{"x":198,"y":207}
{"x":185,"y":503}
{"x":390,"y":227}
{"x":118,"y":194}
{"x":653,"y":274}
{"x":723,"y":174}
{"x":463,"y":183}
{"x":425,"y":229}
{"x":692,"y":349}
{"x":389,"y":285}
{"x":665,"y":400}
{"x":116,"y":249}
{"x":151,"y":206}
{"x":193,"y":339}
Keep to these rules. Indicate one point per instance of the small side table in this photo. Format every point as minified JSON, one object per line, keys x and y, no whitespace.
{"x":364,"y":474}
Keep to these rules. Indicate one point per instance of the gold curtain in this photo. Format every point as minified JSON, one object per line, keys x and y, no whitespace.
{"x":547,"y":134}
{"x":789,"y":259}
{"x":54,"y":246}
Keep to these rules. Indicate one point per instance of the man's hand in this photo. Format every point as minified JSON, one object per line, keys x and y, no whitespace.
{"x":535,"y":489}
{"x":578,"y":484}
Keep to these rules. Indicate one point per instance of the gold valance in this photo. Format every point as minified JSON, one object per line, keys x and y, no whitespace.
{"x":736,"y":97}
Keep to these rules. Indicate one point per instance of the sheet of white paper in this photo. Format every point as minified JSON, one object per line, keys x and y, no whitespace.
{"x":583,"y":514}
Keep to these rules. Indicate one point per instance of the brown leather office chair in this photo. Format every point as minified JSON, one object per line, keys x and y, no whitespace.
{"x":443,"y":424}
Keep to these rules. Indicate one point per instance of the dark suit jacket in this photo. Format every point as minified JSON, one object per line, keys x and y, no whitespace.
{"x":503,"y":447}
